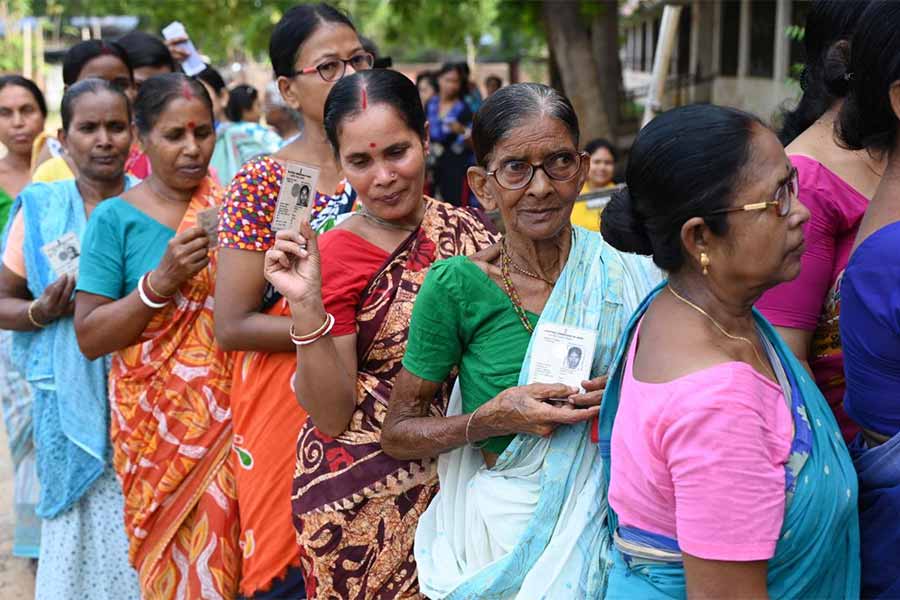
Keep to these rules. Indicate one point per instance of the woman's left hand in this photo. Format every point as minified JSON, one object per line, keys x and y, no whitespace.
{"x":593,"y":393}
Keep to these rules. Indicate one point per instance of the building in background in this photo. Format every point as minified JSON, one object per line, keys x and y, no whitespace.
{"x":731,"y":52}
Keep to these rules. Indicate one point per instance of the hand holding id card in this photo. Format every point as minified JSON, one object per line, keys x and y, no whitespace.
{"x":562,"y":354}
{"x":298,"y":191}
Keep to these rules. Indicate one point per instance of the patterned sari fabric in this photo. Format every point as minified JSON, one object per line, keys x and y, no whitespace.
{"x":355,"y":508}
{"x":171,"y":432}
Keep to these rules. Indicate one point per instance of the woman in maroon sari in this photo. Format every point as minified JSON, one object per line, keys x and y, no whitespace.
{"x":351,"y":293}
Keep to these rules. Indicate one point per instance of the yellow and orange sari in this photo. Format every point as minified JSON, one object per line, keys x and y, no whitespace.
{"x":172,"y":433}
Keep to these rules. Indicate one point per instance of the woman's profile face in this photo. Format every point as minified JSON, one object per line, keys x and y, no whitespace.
{"x":761,"y":249}
{"x":181,"y":142}
{"x":99,"y":135}
{"x":384,"y":161}
{"x":543,"y":208}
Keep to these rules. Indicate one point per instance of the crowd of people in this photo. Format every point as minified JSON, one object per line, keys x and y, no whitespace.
{"x":387,"y":397}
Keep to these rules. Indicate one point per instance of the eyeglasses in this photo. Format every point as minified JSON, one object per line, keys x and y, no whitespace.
{"x":784,"y":197}
{"x":517,"y":174}
{"x":334,"y":69}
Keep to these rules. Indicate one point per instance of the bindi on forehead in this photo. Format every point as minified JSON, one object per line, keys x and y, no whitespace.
{"x":373,"y":145}
{"x":191,"y":125}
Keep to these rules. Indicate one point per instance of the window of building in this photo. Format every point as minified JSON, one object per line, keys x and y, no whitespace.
{"x":762,"y":38}
{"x":730,"y":34}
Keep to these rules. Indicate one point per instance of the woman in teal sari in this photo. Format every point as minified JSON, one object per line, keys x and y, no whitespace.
{"x":516,"y":515}
{"x":727,"y":473}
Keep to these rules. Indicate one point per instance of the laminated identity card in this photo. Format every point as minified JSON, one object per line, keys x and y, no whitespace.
{"x":562,"y":354}
{"x":63,"y":255}
{"x":193,"y":64}
{"x":209,"y":220}
{"x":298,"y":191}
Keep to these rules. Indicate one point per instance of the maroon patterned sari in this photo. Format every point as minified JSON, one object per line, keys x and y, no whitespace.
{"x":356,"y":508}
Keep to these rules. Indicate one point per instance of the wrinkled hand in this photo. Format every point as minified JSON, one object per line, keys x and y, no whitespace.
{"x":293,"y":265}
{"x":593,"y":389}
{"x":179,"y":55}
{"x":186,"y":255}
{"x":56,"y":301}
{"x":527,"y":409}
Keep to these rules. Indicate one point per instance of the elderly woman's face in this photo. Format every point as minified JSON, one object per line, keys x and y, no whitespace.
{"x":542,"y":209}
{"x":761,"y":249}
{"x":99,"y":135}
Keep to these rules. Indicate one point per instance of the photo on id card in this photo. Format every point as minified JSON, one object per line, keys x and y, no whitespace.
{"x":298,"y":190}
{"x":562,"y":354}
{"x":63,"y":254}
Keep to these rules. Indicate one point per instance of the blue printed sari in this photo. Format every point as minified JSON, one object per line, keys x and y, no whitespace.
{"x":531,"y":526}
{"x":817,"y":555}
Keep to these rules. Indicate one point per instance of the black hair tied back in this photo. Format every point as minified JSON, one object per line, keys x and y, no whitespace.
{"x":622,"y":228}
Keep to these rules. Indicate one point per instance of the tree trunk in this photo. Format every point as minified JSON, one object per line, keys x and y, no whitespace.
{"x":569,"y":36}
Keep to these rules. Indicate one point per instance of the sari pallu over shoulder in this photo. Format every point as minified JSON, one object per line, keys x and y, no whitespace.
{"x":171,"y":431}
{"x":817,"y":555}
{"x":471,"y":542}
{"x":350,"y":547}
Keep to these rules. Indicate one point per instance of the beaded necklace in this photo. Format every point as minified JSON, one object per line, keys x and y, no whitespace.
{"x":511,"y":291}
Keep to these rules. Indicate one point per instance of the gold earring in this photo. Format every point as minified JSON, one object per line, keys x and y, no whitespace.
{"x":704,"y":262}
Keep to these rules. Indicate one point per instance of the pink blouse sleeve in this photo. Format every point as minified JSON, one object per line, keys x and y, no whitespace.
{"x":14,"y":256}
{"x":798,"y":304}
{"x":725,"y":446}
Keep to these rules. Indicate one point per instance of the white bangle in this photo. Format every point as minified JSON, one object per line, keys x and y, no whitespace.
{"x":315,"y":337}
{"x":145,"y":299}
{"x":469,"y":422}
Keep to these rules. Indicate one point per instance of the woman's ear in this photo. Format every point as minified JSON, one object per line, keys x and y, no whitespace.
{"x":61,"y":136}
{"x":583,"y":171}
{"x":695,"y":238}
{"x":426,"y":142}
{"x":894,"y":94}
{"x":478,"y":183}
{"x":287,"y":92}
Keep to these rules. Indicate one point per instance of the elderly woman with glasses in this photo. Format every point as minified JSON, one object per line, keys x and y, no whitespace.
{"x":516,"y":515}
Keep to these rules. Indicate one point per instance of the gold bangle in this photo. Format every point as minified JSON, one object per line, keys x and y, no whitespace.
{"x":153,"y":289}
{"x":31,"y":318}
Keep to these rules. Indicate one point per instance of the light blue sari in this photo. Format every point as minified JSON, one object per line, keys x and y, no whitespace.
{"x":817,"y":555}
{"x":539,"y":501}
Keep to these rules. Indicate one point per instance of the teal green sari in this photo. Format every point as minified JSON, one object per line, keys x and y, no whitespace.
{"x":817,"y":555}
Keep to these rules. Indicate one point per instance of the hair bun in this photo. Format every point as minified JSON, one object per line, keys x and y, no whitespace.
{"x":621,"y":226}
{"x":835,"y":69}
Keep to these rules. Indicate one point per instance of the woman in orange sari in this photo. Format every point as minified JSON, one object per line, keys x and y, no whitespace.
{"x":145,"y":293}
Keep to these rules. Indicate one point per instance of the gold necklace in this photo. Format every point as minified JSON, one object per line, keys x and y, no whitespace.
{"x":719,"y":327}
{"x":523,"y":270}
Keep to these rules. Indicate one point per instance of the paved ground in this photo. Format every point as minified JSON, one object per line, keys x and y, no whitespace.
{"x":16,"y":577}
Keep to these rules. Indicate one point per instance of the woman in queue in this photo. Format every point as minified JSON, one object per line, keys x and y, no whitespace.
{"x":312,"y":47}
{"x":84,"y":550}
{"x":243,"y":137}
{"x":870,"y":121}
{"x":144,"y":294}
{"x":351,"y":294}
{"x":22,"y":115}
{"x":449,"y":120}
{"x":85,"y":60}
{"x":836,"y":185}
{"x":727,"y":473}
{"x":516,"y":462}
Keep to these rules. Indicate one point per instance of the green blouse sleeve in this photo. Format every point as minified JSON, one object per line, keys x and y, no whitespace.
{"x":435,"y":342}
{"x":100,"y":267}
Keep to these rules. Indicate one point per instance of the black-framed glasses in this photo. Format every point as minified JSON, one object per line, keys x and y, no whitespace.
{"x":333,"y":69}
{"x":517,"y":174}
{"x":784,"y":198}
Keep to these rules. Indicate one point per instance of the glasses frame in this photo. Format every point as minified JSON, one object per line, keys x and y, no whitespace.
{"x":579,"y":156}
{"x":793,"y":181}
{"x":344,"y":62}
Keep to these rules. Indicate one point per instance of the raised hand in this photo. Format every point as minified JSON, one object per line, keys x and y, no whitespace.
{"x":186,"y":255}
{"x":293,"y":265}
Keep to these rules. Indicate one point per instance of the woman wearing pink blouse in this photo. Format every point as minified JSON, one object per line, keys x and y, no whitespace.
{"x":835,"y":185}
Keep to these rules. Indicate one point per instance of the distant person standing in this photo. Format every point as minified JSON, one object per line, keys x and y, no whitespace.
{"x":600,"y":177}
{"x":428,"y":87}
{"x":218,"y":91}
{"x":492,"y":83}
{"x":472,"y":94}
{"x":286,"y":121}
{"x":450,"y":122}
{"x":243,"y":137}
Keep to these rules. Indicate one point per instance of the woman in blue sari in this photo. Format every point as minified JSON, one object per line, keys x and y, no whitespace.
{"x":725,"y":471}
{"x":516,"y":515}
{"x":870,"y":331}
{"x":84,"y":551}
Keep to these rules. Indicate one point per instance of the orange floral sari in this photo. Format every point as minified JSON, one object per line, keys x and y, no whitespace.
{"x":171,"y":431}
